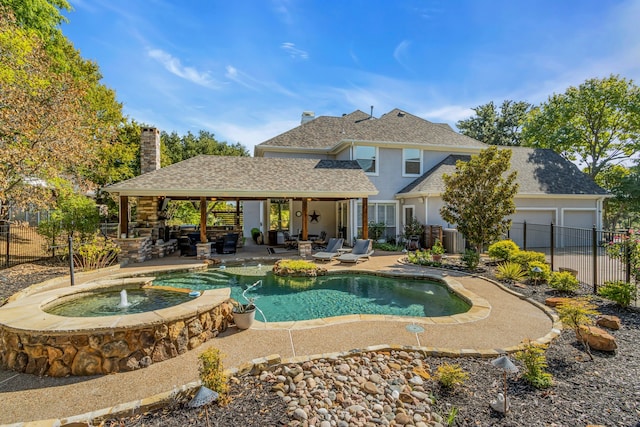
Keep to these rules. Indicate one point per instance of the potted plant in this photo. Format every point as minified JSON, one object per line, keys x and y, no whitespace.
{"x":244,"y":314}
{"x":437,"y":250}
{"x":376,"y":231}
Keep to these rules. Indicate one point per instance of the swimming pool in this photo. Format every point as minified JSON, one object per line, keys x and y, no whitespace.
{"x":303,"y":298}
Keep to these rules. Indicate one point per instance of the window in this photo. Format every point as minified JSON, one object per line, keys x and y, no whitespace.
{"x":366,"y":157}
{"x":412,"y":161}
{"x":379,"y":212}
{"x":279,"y":214}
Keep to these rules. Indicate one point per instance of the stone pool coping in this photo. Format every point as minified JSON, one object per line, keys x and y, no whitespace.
{"x":480,"y":307}
{"x":18,"y":314}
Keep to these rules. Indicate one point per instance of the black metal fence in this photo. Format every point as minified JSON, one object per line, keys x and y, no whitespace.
{"x":21,"y":243}
{"x":584,"y":250}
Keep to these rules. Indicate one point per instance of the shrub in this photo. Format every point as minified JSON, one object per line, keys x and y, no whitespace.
{"x":503,"y":250}
{"x":413,"y":228}
{"x":449,"y":375}
{"x":212,"y":373}
{"x":471,"y":259}
{"x":437,"y":248}
{"x":564,"y":281}
{"x":618,"y":291}
{"x":388,"y":247}
{"x":577,"y":312}
{"x":420,"y":257}
{"x":96,"y":253}
{"x":626,"y":248}
{"x":376,"y":230}
{"x":541,"y":276}
{"x":525,"y":257}
{"x":297,"y":267}
{"x":510,"y":272}
{"x":535,"y":363}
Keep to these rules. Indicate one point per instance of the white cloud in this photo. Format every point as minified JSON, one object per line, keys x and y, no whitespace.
{"x":247,"y":131}
{"x":174,"y":66}
{"x":401,"y":51}
{"x":293,"y":51}
{"x":449,"y":113}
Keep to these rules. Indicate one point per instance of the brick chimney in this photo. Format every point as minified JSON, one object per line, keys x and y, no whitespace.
{"x":149,"y":150}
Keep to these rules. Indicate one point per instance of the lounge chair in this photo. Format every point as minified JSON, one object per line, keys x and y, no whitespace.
{"x":332,"y":250}
{"x":361,"y":250}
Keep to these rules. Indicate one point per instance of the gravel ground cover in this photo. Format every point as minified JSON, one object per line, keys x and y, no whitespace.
{"x":603,"y":391}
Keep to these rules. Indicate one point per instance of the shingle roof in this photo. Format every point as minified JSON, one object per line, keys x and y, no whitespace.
{"x":226,"y":176}
{"x":540,"y":171}
{"x":396,"y":126}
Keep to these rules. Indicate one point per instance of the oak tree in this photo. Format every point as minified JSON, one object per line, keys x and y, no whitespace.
{"x":46,"y":122}
{"x":596,"y":124}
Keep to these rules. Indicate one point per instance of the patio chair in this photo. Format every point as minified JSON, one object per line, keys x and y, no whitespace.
{"x":363,"y":249}
{"x":289,"y":241}
{"x":332,"y":251}
{"x":187,"y":246}
{"x":321,"y":242}
{"x":228,"y":244}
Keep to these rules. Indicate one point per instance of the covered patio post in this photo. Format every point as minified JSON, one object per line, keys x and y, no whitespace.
{"x":203,"y":219}
{"x":305,"y":228}
{"x":124,"y":216}
{"x":365,"y":218}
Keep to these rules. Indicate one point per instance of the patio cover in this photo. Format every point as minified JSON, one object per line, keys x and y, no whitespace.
{"x":251,"y":178}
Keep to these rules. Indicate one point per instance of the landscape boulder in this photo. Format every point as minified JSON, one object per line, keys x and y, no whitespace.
{"x":556,"y":301}
{"x":596,"y":338}
{"x":609,"y":322}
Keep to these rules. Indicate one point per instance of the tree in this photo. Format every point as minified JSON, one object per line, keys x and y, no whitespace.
{"x":495,"y":127}
{"x":46,"y":125}
{"x":622,"y":210}
{"x":176,"y":148}
{"x":478,"y":197}
{"x":596,"y":124}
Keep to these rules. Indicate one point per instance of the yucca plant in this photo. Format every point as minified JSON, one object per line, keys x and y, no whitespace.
{"x":510,"y":272}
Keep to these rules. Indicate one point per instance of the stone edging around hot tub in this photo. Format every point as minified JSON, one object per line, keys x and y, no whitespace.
{"x":35,"y":342}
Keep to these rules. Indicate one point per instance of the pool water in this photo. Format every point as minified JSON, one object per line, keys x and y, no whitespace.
{"x":107,"y":303}
{"x":302,"y":298}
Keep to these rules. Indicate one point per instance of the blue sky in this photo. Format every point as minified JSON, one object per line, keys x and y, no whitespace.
{"x":246,"y":70}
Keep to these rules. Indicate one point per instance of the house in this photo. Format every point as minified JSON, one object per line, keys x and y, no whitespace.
{"x":405,"y":157}
{"x":337,"y":174}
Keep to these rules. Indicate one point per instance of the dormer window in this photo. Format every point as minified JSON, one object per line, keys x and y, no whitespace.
{"x":412,"y":162}
{"x":366,"y":157}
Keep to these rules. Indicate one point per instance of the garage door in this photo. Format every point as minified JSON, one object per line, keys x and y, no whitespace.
{"x":537,"y":231}
{"x":579,"y":219}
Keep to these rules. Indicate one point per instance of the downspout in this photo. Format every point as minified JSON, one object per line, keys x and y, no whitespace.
{"x":599,"y":207}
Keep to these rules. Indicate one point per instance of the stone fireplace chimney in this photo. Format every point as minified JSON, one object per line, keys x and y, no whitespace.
{"x":149,"y":150}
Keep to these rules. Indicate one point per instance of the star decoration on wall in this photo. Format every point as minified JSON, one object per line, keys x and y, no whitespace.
{"x":314,"y":216}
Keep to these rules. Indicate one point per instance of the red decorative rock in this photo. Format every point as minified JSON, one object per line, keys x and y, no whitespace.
{"x":597,"y":339}
{"x":608,"y":321}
